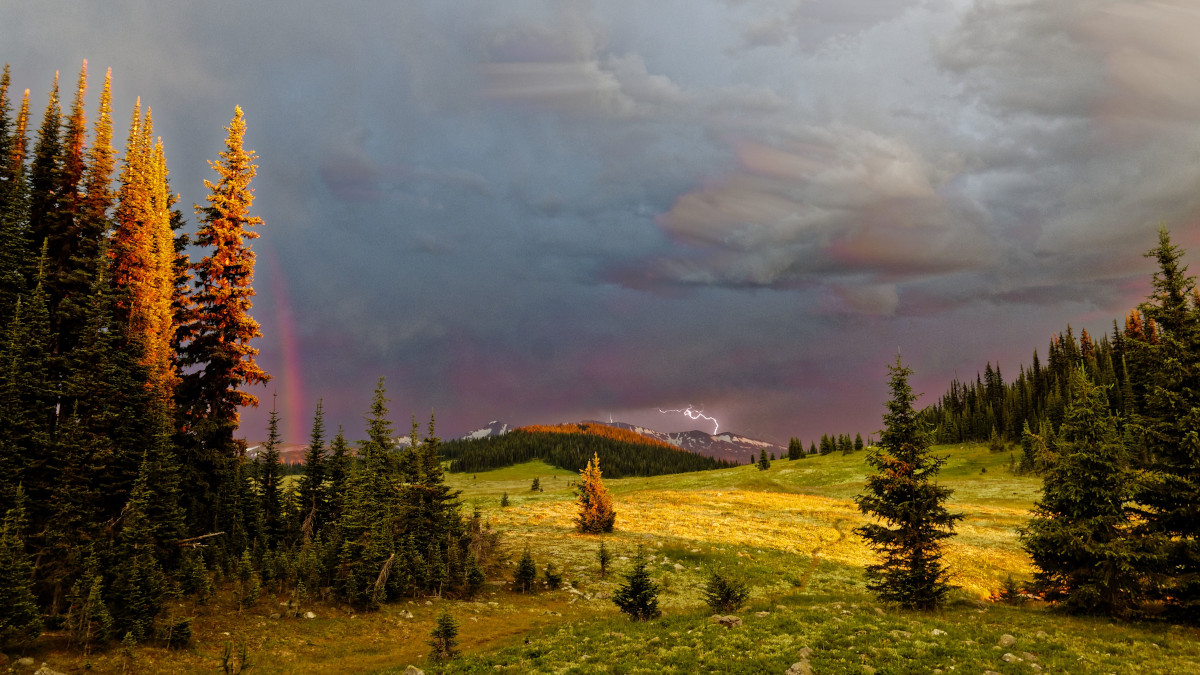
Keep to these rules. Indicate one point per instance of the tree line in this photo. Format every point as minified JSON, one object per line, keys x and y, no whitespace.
{"x":572,"y":451}
{"x":123,"y":364}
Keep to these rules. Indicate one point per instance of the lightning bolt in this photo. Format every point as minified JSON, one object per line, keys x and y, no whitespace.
{"x":696,"y":415}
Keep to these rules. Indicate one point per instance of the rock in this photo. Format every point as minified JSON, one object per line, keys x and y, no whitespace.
{"x":879,"y":611}
{"x":678,"y":567}
{"x":1041,"y":635}
{"x":1009,"y":657}
{"x":309,"y":615}
{"x":413,"y":670}
{"x":762,"y":614}
{"x":729,"y":621}
{"x":868,"y":670}
{"x":800,"y":668}
{"x":1028,"y":657}
{"x":937,"y":631}
{"x":990,"y":672}
{"x":429,"y":603}
{"x":276,"y":615}
{"x":805,"y":652}
{"x":1035,"y":667}
{"x":47,"y":670}
{"x":407,"y":614}
{"x":901,"y":634}
{"x":1007,"y":640}
{"x":27,"y":662}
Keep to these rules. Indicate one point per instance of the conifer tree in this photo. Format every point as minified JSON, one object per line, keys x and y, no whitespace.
{"x":596,"y":512}
{"x":20,"y":620}
{"x":269,"y":487}
{"x":14,"y":243}
{"x":525,"y":574}
{"x":637,"y":596}
{"x":216,"y":350}
{"x":911,"y":506}
{"x":444,"y":637}
{"x":314,"y":505}
{"x":795,"y":449}
{"x":339,"y":469}
{"x":763,"y":462}
{"x":1079,"y":537}
{"x":1170,"y":486}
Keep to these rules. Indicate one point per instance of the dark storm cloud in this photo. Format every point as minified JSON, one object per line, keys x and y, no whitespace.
{"x":545,"y":210}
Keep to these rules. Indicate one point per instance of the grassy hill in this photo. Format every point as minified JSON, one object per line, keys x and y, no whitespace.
{"x":787,"y":530}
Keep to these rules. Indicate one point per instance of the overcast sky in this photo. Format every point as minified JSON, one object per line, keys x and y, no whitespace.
{"x":553,"y":211}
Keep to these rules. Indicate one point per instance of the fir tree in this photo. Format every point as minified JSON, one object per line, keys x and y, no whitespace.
{"x":444,"y":637}
{"x":596,"y":512}
{"x":20,"y":620}
{"x":1079,"y":535}
{"x":536,"y":486}
{"x":339,"y":471}
{"x":725,"y":592}
{"x":314,"y":507}
{"x":269,"y":487}
{"x":911,"y":506}
{"x":795,"y":449}
{"x":603,"y":557}
{"x":763,"y":462}
{"x":637,"y":596}
{"x":525,"y":574}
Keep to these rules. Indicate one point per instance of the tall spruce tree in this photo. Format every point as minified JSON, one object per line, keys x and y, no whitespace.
{"x":216,"y":340}
{"x":314,"y":505}
{"x":910,"y":505}
{"x":1170,"y":418}
{"x":20,"y":619}
{"x":1079,"y":538}
{"x":596,"y":512}
{"x":270,"y":487}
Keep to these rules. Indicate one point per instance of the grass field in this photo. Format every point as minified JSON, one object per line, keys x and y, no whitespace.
{"x":787,"y":530}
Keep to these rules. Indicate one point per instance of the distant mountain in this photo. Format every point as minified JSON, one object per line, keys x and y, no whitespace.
{"x":493,"y":428}
{"x":289,"y":453}
{"x":724,"y":445}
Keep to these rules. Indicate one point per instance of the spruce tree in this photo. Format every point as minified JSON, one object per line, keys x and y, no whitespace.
{"x":795,"y":449}
{"x":763,"y":462}
{"x":314,"y":506}
{"x":216,"y":339}
{"x":637,"y":596}
{"x":20,"y":619}
{"x":15,"y":249}
{"x":525,"y":574}
{"x":596,"y":512}
{"x":910,"y":505}
{"x":1079,"y":537}
{"x":444,"y":637}
{"x":269,"y":488}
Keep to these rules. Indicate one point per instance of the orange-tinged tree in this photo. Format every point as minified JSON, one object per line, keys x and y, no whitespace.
{"x":143,"y":251}
{"x":217,"y":335}
{"x":596,"y":512}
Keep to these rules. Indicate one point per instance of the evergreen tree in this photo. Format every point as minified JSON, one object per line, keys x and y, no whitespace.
{"x":725,"y":592}
{"x":637,"y":596}
{"x":596,"y":512}
{"x":20,"y":620}
{"x":269,"y":487}
{"x":314,"y":507}
{"x":525,"y":574}
{"x":216,"y":337}
{"x":536,"y":486}
{"x":911,"y":506}
{"x":795,"y":449}
{"x":603,"y":557}
{"x":763,"y":462}
{"x":1170,"y":486}
{"x":858,"y":442}
{"x":1079,"y":535}
{"x":15,"y":249}
{"x":339,"y":471}
{"x":444,"y":637}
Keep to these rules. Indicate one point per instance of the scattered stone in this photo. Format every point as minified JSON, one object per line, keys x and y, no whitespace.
{"x":879,"y":611}
{"x":27,"y":662}
{"x":990,"y":672}
{"x":901,"y":634}
{"x":276,"y":615}
{"x":846,"y":611}
{"x":1007,"y":640}
{"x":1041,"y":635}
{"x":938,"y":631}
{"x":1028,"y":657}
{"x":678,"y":567}
{"x":1009,"y":657}
{"x":413,"y":670}
{"x":805,"y":652}
{"x":1035,"y":667}
{"x":309,"y":615}
{"x":429,"y":603}
{"x":868,"y":670}
{"x":800,"y":668}
{"x":407,"y":614}
{"x":762,"y":614}
{"x":729,"y":620}
{"x":47,"y":670}
{"x":552,"y":612}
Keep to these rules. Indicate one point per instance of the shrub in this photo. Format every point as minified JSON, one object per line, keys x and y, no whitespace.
{"x":724,"y":592}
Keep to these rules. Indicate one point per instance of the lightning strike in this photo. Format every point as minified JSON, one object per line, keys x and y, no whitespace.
{"x":696,"y":415}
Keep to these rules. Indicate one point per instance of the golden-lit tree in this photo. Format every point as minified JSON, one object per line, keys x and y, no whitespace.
{"x":596,"y":512}
{"x":216,"y":338}
{"x":143,"y":251}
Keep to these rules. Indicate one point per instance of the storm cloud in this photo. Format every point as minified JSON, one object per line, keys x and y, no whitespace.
{"x":545,"y":211}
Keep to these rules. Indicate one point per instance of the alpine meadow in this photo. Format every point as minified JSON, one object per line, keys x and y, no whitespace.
{"x":742,"y":277}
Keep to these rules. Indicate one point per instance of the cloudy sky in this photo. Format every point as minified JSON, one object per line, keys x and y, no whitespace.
{"x":552,"y":211}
